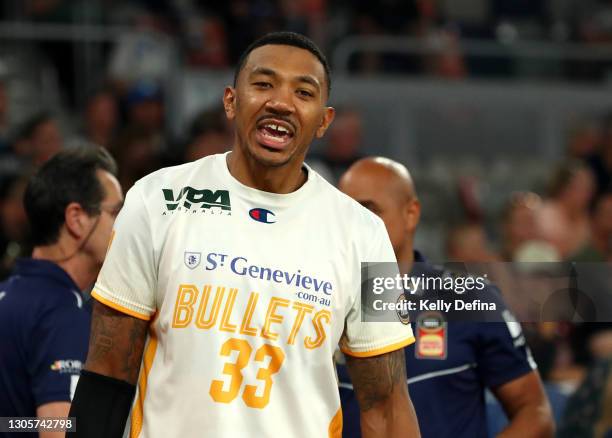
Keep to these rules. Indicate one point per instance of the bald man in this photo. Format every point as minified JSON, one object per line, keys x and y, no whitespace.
{"x":447,"y":383}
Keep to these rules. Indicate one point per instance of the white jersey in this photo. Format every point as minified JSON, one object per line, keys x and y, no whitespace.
{"x":249,"y":294}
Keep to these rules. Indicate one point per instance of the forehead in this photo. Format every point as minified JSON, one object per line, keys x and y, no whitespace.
{"x":112,"y":188}
{"x":285,"y":60}
{"x":364,"y":186}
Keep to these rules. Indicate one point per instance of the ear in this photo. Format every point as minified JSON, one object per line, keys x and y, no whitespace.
{"x":328,"y":116}
{"x":75,"y":220}
{"x":229,"y":102}
{"x":412,"y":215}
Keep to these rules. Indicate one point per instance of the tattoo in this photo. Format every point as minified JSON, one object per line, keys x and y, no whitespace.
{"x":116,"y":343}
{"x":374,"y":378}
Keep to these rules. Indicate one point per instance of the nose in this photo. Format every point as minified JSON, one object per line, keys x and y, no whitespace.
{"x":280,"y":102}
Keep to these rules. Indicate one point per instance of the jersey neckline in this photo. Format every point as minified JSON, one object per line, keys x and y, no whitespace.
{"x":262,"y":197}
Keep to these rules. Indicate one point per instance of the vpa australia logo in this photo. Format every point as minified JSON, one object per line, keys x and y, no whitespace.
{"x":189,"y":199}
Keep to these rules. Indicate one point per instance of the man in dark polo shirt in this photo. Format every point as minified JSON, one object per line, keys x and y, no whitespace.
{"x":452,"y":362}
{"x":71,"y":204}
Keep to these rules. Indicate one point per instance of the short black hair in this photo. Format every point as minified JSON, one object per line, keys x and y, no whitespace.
{"x":70,"y":176}
{"x":286,"y":39}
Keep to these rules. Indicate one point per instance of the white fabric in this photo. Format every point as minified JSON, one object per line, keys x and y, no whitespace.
{"x":317,"y":239}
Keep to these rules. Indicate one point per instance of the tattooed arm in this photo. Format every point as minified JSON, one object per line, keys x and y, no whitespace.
{"x":106,"y":388}
{"x":116,"y":343}
{"x":381,"y":390}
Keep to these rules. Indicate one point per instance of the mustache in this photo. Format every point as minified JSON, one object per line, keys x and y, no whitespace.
{"x":276,"y":117}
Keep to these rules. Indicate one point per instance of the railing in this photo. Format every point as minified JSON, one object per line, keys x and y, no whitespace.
{"x":60,"y":32}
{"x":352,"y":45}
{"x":87,"y":39}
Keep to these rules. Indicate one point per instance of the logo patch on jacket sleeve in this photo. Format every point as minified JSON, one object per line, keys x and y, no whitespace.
{"x":431,"y":336}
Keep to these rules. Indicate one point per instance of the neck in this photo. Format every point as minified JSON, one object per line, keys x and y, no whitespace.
{"x":282,"y":179}
{"x":405,"y":258}
{"x":76,"y":265}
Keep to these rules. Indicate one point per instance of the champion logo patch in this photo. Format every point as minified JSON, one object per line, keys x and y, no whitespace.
{"x":262,"y":215}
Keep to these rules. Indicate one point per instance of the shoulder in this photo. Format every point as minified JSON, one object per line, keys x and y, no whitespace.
{"x":36,"y":300}
{"x":182,"y":173}
{"x":162,"y":190}
{"x":345,"y":208}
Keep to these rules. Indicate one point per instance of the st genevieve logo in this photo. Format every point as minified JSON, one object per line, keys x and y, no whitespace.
{"x":189,"y":199}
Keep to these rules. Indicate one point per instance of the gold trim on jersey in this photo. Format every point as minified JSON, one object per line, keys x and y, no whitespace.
{"x":119,"y":307}
{"x":379,"y":351}
{"x":335,"y":425}
{"x":147,"y":364}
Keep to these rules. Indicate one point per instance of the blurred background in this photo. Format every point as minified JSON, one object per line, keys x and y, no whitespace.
{"x":501,"y":109}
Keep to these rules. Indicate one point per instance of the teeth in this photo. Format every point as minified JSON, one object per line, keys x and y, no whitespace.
{"x":277,"y":128}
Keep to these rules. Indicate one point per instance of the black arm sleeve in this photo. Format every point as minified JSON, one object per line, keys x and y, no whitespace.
{"x":101,"y":406}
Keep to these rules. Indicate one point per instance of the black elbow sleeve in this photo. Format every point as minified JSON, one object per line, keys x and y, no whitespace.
{"x":101,"y":406}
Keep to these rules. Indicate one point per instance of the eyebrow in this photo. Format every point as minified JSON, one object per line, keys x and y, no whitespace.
{"x":302,"y":78}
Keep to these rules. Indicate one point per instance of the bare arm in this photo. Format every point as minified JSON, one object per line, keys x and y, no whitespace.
{"x":381,"y":390}
{"x":527,"y":407}
{"x":53,"y":409}
{"x":116,"y":343}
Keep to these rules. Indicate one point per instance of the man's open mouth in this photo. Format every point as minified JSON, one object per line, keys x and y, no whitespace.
{"x":274,"y":134}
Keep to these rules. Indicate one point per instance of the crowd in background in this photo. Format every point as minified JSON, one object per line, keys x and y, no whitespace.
{"x":569,"y":221}
{"x":212,"y":34}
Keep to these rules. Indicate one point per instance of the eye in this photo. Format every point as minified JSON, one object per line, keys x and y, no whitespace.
{"x":305,"y":93}
{"x":262,"y":84}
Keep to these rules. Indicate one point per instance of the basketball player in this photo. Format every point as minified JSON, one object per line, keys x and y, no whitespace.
{"x":238,"y":275}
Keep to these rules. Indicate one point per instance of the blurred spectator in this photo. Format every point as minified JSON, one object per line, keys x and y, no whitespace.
{"x":599,"y":247}
{"x":142,"y":53}
{"x":209,"y":135}
{"x":468,"y":243}
{"x":589,"y":409}
{"x":206,"y":42}
{"x":39,"y":140}
{"x":13,"y":220}
{"x":601,"y":162}
{"x":294,"y":15}
{"x":519,"y":222}
{"x":344,"y":141}
{"x":446,"y":60}
{"x":564,"y":217}
{"x":101,"y":119}
{"x":244,"y":21}
{"x":591,"y":24}
{"x":594,"y":21}
{"x":145,"y":107}
{"x":58,"y":52}
{"x":584,"y":140}
{"x":527,"y":18}
{"x":387,"y":17}
{"x":4,"y":142}
{"x":138,"y":153}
